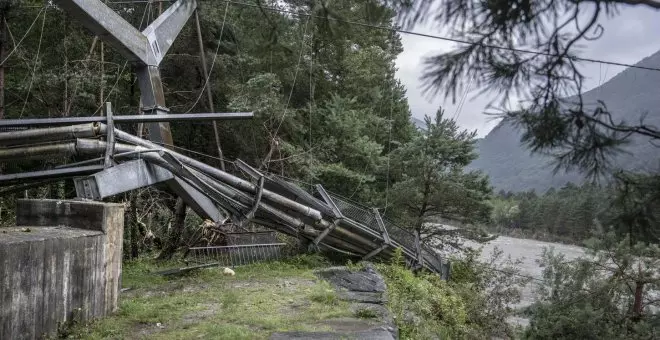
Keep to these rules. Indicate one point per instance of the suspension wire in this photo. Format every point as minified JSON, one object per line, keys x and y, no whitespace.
{"x":389,"y":145}
{"x":311,"y":103}
{"x":438,"y":37}
{"x":36,"y":62}
{"x":215,"y":57}
{"x":146,"y":13}
{"x":295,"y":76}
{"x":16,"y":46}
{"x":459,"y":108}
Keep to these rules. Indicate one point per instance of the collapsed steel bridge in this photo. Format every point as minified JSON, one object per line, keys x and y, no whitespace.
{"x":117,"y":162}
{"x":327,"y":221}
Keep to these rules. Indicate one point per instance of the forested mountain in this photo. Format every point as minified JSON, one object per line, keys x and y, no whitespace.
{"x":629,"y":96}
{"x":418,"y":123}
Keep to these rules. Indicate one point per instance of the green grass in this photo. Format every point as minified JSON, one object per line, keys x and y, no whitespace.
{"x":324,"y":293}
{"x":366,"y":313}
{"x":259,"y":300}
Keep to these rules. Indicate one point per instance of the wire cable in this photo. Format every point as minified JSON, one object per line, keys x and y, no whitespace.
{"x":438,"y":37}
{"x":459,"y":109}
{"x":36,"y":62}
{"x":215,"y":57}
{"x":295,"y":76}
{"x":147,"y":12}
{"x":43,"y":8}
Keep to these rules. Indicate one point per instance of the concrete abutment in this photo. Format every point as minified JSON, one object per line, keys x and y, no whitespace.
{"x":61,"y":261}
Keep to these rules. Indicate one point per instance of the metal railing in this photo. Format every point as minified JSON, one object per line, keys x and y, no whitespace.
{"x":236,"y":255}
{"x":356,"y":212}
{"x":400,"y":236}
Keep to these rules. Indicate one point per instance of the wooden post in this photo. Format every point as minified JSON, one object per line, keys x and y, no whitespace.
{"x":209,"y":93}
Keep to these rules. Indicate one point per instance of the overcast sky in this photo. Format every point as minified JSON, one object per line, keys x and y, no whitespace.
{"x":629,"y":37}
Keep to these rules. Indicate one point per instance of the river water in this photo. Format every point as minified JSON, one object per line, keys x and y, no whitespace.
{"x":529,"y":251}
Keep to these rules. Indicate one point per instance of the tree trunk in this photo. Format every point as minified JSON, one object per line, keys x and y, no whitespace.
{"x":637,"y":306}
{"x":174,"y":236}
{"x":639,"y":295}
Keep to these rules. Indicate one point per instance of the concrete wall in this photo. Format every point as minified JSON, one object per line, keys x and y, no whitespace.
{"x":63,"y":260}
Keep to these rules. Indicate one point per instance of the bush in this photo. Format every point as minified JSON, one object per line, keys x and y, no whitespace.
{"x":424,"y":306}
{"x":488,"y":289}
{"x":474,"y":304}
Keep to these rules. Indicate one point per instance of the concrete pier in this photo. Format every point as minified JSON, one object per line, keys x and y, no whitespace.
{"x":61,"y":261}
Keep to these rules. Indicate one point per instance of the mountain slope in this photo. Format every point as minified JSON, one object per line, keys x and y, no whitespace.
{"x":630,"y":95}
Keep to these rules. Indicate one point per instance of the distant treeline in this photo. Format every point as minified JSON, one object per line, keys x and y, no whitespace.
{"x":564,"y":215}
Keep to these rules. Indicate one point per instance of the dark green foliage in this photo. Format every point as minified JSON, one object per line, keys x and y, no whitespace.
{"x":565,"y":215}
{"x":431,"y":181}
{"x":424,"y":305}
{"x":474,"y":304}
{"x":594,"y":297}
{"x":573,"y":213}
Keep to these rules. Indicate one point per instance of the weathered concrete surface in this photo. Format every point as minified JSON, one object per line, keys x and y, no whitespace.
{"x":365,"y":289}
{"x":63,"y":260}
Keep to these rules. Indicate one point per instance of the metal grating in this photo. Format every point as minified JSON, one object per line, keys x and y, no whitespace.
{"x":237,"y":255}
{"x":356,"y":212}
{"x":400,"y":235}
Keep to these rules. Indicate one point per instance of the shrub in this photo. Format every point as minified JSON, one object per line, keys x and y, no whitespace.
{"x":424,"y":305}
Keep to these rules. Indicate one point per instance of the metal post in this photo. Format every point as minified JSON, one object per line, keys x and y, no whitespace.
{"x":381,"y":224}
{"x":110,"y":138}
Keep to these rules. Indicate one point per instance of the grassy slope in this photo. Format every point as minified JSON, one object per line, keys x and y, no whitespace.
{"x":259,"y":300}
